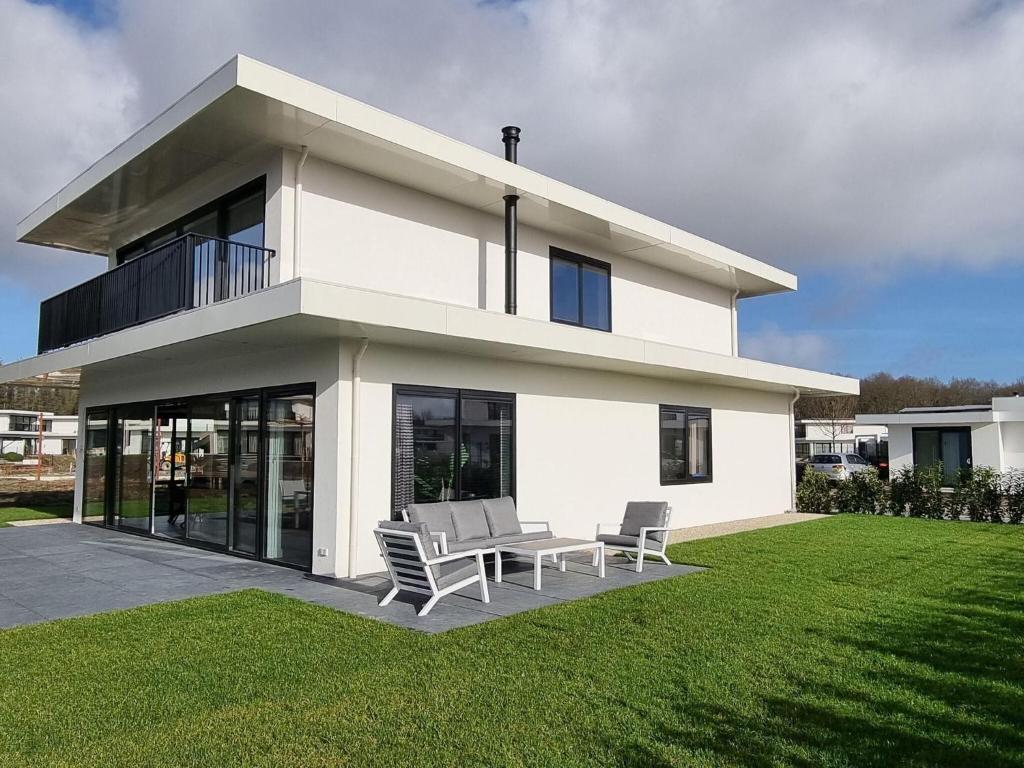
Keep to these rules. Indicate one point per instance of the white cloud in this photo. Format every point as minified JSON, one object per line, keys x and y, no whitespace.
{"x":802,"y":349}
{"x":805,"y":134}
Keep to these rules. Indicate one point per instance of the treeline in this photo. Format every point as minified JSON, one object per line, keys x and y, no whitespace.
{"x":30,"y":397}
{"x":883,"y":393}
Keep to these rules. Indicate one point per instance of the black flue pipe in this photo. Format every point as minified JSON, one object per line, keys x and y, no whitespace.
{"x":510,"y":137}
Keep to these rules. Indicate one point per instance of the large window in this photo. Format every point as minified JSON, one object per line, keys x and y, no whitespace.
{"x":231,"y":472}
{"x":685,"y":437}
{"x":451,"y":444}
{"x":20,"y":422}
{"x":237,"y":216}
{"x":580,"y":290}
{"x":949,"y":445}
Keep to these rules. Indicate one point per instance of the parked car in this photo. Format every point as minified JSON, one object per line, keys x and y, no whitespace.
{"x":837,"y":466}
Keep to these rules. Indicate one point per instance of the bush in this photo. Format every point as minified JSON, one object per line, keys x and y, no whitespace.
{"x":904,"y":492}
{"x":814,"y":494}
{"x":977,"y":496}
{"x":1012,"y":489}
{"x":862,"y":494}
{"x":12,"y":456}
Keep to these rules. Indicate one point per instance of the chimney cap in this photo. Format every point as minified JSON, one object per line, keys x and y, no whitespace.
{"x":510,"y":133}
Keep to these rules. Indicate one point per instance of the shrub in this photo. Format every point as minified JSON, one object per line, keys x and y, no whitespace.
{"x":917,"y":492}
{"x":814,"y":494}
{"x":977,"y":496}
{"x":1013,"y":495}
{"x":12,"y":456}
{"x":903,"y":491}
{"x":863,"y":493}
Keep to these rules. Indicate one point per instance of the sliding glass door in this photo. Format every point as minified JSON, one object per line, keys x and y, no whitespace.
{"x":231,"y":472}
{"x":451,"y":444}
{"x":949,"y":445}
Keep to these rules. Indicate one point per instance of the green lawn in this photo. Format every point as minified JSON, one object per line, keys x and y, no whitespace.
{"x":40,"y":512}
{"x":853,"y":641}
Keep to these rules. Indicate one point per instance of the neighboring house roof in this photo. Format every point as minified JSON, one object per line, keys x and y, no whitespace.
{"x":1001,"y":409}
{"x":247,"y":107}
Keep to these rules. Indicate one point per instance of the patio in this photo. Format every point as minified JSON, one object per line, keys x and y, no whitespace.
{"x":60,"y":571}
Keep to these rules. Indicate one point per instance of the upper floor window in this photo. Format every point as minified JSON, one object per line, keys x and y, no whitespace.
{"x":685,"y":435}
{"x":23,"y":423}
{"x":581,"y":291}
{"x":237,"y":216}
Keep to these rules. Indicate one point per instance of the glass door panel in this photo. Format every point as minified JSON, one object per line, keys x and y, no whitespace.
{"x":133,"y":476}
{"x":94,"y":505}
{"x":424,"y":449}
{"x":486,"y":448}
{"x":170,"y":494}
{"x":207,"y":466}
{"x":289,"y":478}
{"x":245,"y":466}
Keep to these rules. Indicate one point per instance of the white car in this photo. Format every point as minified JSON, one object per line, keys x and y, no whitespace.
{"x":837,"y":466}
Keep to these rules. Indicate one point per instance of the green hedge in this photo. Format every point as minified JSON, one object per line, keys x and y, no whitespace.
{"x":980,"y":495}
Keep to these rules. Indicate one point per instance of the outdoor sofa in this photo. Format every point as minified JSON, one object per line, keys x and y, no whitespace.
{"x":460,"y":526}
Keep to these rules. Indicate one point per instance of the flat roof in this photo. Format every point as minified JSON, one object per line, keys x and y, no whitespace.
{"x":247,"y":107}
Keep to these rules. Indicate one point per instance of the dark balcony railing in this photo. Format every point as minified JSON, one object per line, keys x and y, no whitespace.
{"x":191,"y":271}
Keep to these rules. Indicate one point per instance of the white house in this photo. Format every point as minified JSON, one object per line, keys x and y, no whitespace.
{"x":814,"y":436}
{"x":959,"y":436}
{"x":19,"y":433}
{"x":366,"y":313}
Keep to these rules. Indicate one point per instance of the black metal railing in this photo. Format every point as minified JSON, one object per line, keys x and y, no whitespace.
{"x":191,"y":271}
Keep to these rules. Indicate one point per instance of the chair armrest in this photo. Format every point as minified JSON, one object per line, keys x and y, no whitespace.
{"x":606,"y":525}
{"x":454,"y":556}
{"x":441,"y":539}
{"x":547,"y":525}
{"x":644,"y":530}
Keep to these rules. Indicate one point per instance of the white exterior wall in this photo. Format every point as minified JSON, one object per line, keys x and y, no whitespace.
{"x":1013,"y":445}
{"x":586,"y":442}
{"x":362,"y":231}
{"x":985,"y":447}
{"x":229,"y":372}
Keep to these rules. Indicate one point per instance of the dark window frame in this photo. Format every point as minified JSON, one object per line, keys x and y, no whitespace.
{"x":915,"y":434}
{"x":220,"y":205}
{"x":111,"y":414}
{"x":687,"y":411}
{"x":556,"y":253}
{"x":459,"y":395}
{"x":16,"y":423}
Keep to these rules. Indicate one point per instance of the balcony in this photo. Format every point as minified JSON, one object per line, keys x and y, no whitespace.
{"x":189,"y":272}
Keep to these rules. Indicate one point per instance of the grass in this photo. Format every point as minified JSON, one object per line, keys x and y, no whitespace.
{"x":853,"y":641}
{"x":39,"y":512}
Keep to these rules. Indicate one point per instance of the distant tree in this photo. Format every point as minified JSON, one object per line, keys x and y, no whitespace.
{"x":832,"y":412}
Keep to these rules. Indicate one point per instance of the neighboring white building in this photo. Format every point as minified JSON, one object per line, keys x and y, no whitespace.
{"x":815,"y":436}
{"x":19,"y":433}
{"x":321,"y":331}
{"x":958,"y":436}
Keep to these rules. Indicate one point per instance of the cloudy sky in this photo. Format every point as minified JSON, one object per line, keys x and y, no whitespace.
{"x":874,"y":148}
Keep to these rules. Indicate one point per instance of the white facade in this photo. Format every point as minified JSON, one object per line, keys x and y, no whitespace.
{"x":995,"y":432}
{"x":394,"y":276}
{"x":19,"y":433}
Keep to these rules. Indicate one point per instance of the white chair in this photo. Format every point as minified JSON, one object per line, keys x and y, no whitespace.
{"x":408,"y":550}
{"x":643,"y":530}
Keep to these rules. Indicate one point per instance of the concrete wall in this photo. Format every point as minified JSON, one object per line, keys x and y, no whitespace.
{"x":227,"y":372}
{"x":1013,"y":445}
{"x":586,"y":442}
{"x":362,"y":231}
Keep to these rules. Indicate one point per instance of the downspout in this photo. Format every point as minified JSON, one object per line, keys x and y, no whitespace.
{"x":353,"y":483}
{"x":297,"y":214}
{"x":792,"y":450}
{"x":735,"y":325}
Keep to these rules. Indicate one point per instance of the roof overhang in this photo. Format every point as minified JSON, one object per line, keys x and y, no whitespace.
{"x":246,"y":108}
{"x":930,"y":418}
{"x":303,"y":311}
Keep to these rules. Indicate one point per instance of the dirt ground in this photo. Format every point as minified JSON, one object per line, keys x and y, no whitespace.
{"x":27,"y":492}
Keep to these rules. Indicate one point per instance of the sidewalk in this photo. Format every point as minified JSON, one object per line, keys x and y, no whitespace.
{"x":738,"y":526}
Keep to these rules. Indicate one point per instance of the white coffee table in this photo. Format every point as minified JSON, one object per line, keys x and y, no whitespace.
{"x":557,"y":549}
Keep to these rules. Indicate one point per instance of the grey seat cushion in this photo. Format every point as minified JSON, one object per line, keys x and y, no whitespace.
{"x":617,"y":539}
{"x":437,"y":516}
{"x":502,"y":518}
{"x":469,"y":520}
{"x":645,"y":514}
{"x":447,"y":574}
{"x":417,"y":528}
{"x":493,"y":541}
